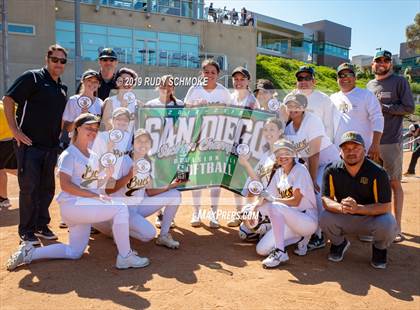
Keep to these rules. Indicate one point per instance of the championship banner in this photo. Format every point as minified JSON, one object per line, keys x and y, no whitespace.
{"x":202,"y":144}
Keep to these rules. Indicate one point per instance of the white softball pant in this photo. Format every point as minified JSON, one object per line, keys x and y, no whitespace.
{"x":288,"y":225}
{"x":139,"y":227}
{"x":79,"y":214}
{"x":214,"y":198}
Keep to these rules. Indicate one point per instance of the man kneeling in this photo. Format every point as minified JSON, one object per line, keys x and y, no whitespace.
{"x":357,"y":199}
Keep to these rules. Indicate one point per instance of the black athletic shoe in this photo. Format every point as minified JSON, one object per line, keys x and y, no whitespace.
{"x":378,"y":258}
{"x":30,"y":238}
{"x":46,"y":233}
{"x":337,"y":251}
{"x":316,"y":242}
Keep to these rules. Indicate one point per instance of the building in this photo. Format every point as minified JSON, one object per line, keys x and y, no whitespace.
{"x":410,"y":61}
{"x":362,"y":61}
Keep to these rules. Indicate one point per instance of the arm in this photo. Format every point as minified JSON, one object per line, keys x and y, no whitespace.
{"x":313,"y":160}
{"x":405,"y":105}
{"x":156,"y":191}
{"x":350,"y":206}
{"x":243,"y":161}
{"x":331,"y":205}
{"x":118,"y":184}
{"x":107,"y":114}
{"x":294,"y":201}
{"x":68,"y":186}
{"x":373,"y":152}
{"x":9,"y":111}
{"x":68,"y":126}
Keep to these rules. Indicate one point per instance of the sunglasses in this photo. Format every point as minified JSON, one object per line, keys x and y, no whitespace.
{"x":346,"y":75}
{"x":304,"y":78}
{"x":54,"y":59}
{"x":108,"y":59}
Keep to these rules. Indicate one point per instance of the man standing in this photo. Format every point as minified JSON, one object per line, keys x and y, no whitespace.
{"x":357,"y":199}
{"x":41,"y":98}
{"x":360,"y":111}
{"x":318,"y":102}
{"x":396,"y":100}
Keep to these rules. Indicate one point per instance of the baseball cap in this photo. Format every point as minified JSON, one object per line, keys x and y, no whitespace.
{"x":121,"y":111}
{"x":108,"y":53}
{"x":243,"y":71}
{"x":86,"y":118}
{"x":413,"y":127}
{"x":386,"y":54}
{"x":283,"y":144}
{"x":306,"y":69}
{"x":300,"y":99}
{"x":140,"y":132}
{"x":346,"y":66}
{"x":352,"y":136}
{"x":90,"y":73}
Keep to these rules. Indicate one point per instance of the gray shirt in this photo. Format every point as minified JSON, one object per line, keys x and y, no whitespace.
{"x":397,"y":100}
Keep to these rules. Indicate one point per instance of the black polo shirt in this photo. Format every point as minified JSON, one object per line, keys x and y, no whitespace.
{"x":104,"y":89}
{"x":40,"y":106}
{"x":370,"y":185}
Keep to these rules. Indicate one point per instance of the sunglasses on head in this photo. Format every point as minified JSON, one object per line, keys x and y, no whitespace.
{"x":346,"y":75}
{"x":108,"y":59}
{"x":54,"y":59}
{"x":304,"y":78}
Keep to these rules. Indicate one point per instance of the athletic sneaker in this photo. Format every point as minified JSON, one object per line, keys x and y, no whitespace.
{"x":234,"y":223}
{"x":131,"y":261}
{"x":275,"y":258}
{"x":168,"y":241}
{"x":30,"y":238}
{"x":22,"y":256}
{"x":5,"y":203}
{"x":378,"y":258}
{"x":301,"y":248}
{"x":45,"y":233}
{"x":399,"y":238}
{"x":316,"y":242}
{"x":195,"y":221}
{"x":159,"y":219}
{"x":214,"y":223}
{"x":366,"y":238}
{"x":337,"y":251}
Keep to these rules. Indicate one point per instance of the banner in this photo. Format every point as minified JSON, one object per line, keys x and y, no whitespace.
{"x":204,"y":142}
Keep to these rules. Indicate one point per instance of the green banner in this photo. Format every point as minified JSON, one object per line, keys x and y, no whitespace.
{"x":203,"y":141}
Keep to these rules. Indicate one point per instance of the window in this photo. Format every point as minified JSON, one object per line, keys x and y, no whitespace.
{"x":28,"y":30}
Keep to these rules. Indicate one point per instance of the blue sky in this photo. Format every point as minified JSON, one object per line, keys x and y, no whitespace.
{"x":374,"y":23}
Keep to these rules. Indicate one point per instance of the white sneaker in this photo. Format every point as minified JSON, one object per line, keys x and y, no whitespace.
{"x":131,"y":261}
{"x":214,"y":223}
{"x":234,"y":223}
{"x":168,"y":241}
{"x":22,"y":256}
{"x":5,"y":203}
{"x":301,"y":248}
{"x":158,"y":221}
{"x":195,"y":221}
{"x":275,"y":258}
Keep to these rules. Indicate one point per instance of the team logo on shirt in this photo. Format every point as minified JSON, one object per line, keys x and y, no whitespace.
{"x":136,"y":183}
{"x":108,"y":159}
{"x":273,"y":105}
{"x":364,"y":180}
{"x":143,"y":166}
{"x":90,"y":175}
{"x":287,"y":193}
{"x":116,"y":135}
{"x":255,"y":187}
{"x":84,"y":102}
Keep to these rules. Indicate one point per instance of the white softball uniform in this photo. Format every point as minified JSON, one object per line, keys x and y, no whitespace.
{"x":79,"y":213}
{"x":262,"y":170}
{"x":157,"y":103}
{"x":248,"y":102}
{"x":289,"y":223}
{"x":197,"y":94}
{"x":360,"y":111}
{"x":73,"y":110}
{"x":141,"y":205}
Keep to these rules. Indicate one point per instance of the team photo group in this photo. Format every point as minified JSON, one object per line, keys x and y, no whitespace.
{"x":306,"y":169}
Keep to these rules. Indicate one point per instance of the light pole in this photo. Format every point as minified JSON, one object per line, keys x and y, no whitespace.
{"x":78,"y":56}
{"x":4,"y":46}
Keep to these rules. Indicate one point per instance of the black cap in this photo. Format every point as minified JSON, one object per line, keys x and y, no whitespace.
{"x":386,"y":54}
{"x":346,"y":66}
{"x":264,"y":85}
{"x":243,"y":71}
{"x":86,"y":118}
{"x":306,"y":69}
{"x":108,"y":53}
{"x":352,"y":136}
{"x":90,"y":73}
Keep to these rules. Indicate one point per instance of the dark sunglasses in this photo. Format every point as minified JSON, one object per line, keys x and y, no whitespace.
{"x":346,"y":75}
{"x":54,"y":59}
{"x":108,"y":59}
{"x":304,"y":78}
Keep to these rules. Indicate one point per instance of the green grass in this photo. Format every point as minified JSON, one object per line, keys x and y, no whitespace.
{"x":281,"y":72}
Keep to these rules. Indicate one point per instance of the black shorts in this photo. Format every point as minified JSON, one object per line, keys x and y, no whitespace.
{"x":7,"y":155}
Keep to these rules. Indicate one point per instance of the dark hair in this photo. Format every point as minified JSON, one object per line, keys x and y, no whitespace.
{"x":56,"y":47}
{"x":170,"y":79}
{"x":210,"y":62}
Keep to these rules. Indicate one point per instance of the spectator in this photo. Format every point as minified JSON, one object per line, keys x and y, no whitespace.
{"x":234,"y":17}
{"x":413,"y":131}
{"x":243,"y":16}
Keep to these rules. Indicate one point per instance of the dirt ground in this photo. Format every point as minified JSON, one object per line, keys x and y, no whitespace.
{"x":213,"y":269}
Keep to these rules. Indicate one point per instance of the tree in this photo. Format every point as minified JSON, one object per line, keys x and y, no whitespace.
{"x":412,"y":32}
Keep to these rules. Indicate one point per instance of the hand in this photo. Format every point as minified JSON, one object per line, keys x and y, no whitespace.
{"x":21,"y":137}
{"x":349,"y":206}
{"x":243,"y":159}
{"x":177,"y":183}
{"x":373,"y":152}
{"x":104,"y":198}
{"x":109,"y":172}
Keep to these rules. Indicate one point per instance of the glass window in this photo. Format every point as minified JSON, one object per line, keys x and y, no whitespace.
{"x":189,"y":48}
{"x":124,"y":32}
{"x":189,"y":39}
{"x":119,"y":41}
{"x":93,"y":39}
{"x":145,"y":34}
{"x":171,"y":37}
{"x":92,"y":28}
{"x":168,"y":46}
{"x":64,"y":25}
{"x":64,"y":37}
{"x":187,"y":9}
{"x":19,"y":29}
